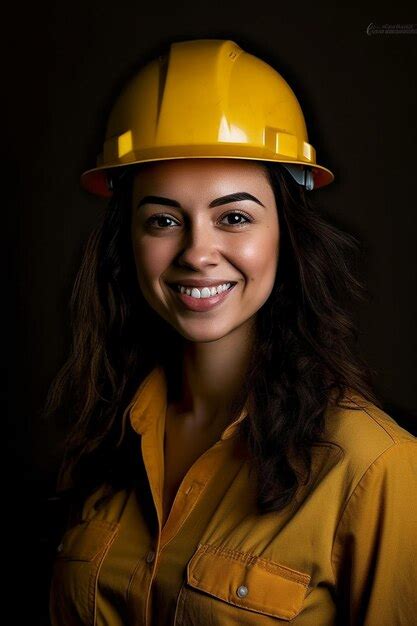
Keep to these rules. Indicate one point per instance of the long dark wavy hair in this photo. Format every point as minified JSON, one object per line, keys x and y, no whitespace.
{"x":305,"y":356}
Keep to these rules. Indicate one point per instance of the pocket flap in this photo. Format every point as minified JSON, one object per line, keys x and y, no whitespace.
{"x":248,"y":581}
{"x":85,"y":540}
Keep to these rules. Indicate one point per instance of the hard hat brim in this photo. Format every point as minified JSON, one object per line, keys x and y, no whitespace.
{"x":95,"y":180}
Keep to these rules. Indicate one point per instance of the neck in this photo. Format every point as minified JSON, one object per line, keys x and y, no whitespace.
{"x":209,"y":376}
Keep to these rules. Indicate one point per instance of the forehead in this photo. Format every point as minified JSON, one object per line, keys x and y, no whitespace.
{"x":187,"y":177}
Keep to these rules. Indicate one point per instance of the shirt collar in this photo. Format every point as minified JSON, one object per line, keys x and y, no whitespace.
{"x":150,"y":402}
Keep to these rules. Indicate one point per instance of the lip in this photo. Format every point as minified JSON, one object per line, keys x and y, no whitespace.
{"x":201,"y":304}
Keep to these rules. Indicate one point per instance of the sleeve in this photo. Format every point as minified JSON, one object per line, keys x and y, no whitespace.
{"x":374,"y":553}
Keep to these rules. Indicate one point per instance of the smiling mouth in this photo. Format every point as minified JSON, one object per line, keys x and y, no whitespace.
{"x":198,"y":302}
{"x":202,"y":292}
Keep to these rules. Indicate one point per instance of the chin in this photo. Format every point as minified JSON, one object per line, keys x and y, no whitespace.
{"x":204,"y":334}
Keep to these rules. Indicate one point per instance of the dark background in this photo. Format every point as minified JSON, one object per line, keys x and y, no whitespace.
{"x":64,"y":63}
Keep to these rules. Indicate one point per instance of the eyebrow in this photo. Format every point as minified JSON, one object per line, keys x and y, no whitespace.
{"x":232,"y":197}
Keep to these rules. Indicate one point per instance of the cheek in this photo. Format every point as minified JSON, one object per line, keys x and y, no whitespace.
{"x":150,"y":258}
{"x":259,"y":258}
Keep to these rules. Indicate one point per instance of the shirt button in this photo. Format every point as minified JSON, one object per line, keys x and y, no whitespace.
{"x":150,"y":556}
{"x":60,"y":547}
{"x":242,"y":591}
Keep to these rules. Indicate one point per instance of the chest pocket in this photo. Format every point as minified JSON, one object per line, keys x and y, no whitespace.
{"x":225,"y":587}
{"x":78,"y":558}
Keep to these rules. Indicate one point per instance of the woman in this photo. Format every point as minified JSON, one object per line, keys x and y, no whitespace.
{"x":228,"y":461}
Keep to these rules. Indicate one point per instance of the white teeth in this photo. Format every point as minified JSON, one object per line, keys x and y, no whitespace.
{"x":204,"y":292}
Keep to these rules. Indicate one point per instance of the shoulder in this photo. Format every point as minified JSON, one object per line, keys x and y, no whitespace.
{"x":364,"y":435}
{"x":374,"y":539}
{"x":362,"y":424}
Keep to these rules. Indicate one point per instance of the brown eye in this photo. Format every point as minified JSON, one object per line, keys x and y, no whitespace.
{"x":159,"y":221}
{"x":236,"y":215}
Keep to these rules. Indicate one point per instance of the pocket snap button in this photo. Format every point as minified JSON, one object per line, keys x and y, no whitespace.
{"x":242,"y":591}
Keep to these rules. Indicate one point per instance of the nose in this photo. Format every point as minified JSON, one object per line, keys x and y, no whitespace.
{"x":200,"y":244}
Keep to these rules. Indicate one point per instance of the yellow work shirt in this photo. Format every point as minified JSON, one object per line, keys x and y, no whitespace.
{"x":344,"y":552}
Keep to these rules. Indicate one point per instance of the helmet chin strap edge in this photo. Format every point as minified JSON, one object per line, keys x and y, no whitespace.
{"x":301,"y":174}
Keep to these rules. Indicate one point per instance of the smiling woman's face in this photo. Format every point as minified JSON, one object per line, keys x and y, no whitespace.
{"x":184,"y":230}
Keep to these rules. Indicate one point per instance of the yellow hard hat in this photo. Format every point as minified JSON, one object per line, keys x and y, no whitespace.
{"x":206,"y":98}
